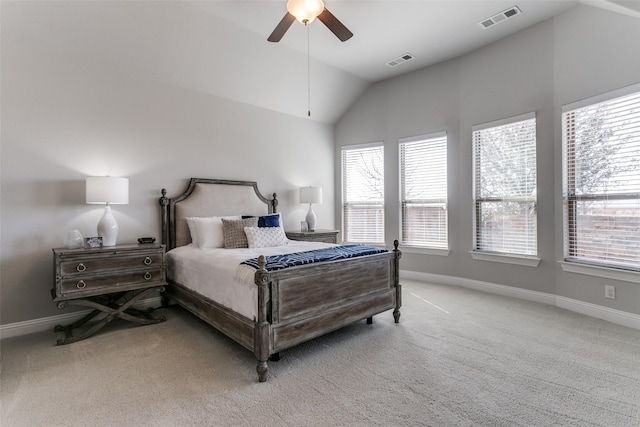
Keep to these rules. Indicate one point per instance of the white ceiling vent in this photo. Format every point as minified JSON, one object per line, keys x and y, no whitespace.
{"x":500,"y":17}
{"x":400,"y":60}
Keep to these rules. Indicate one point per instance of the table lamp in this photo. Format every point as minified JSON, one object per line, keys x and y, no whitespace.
{"x":107,"y":190}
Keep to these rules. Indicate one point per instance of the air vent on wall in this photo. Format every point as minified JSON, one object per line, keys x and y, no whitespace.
{"x":500,"y":17}
{"x":400,"y":60}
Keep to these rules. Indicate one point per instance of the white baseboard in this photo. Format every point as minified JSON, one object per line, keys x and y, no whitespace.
{"x":48,"y":323}
{"x":610,"y":315}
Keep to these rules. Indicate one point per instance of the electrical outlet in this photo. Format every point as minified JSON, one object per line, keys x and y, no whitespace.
{"x":610,"y":292}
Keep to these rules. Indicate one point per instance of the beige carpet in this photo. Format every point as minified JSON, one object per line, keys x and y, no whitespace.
{"x":458,"y":358}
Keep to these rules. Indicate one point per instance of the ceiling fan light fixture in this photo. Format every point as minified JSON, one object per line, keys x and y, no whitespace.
{"x":305,"y":11}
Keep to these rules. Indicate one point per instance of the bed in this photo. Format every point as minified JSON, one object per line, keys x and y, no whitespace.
{"x":286,"y":306}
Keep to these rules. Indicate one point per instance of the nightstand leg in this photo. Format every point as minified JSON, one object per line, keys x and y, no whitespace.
{"x":115,"y":306}
{"x":78,"y":323}
{"x":68,"y":332}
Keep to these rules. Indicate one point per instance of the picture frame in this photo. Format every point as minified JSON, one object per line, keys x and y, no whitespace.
{"x":304,"y":227}
{"x":93,"y":242}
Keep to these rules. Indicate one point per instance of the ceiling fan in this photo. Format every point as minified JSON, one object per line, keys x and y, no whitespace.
{"x":305,"y":11}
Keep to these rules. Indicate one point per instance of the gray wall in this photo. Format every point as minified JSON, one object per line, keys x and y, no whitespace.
{"x":64,"y":118}
{"x":582,"y":53}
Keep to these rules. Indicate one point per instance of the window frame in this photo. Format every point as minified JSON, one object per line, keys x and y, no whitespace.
{"x":478,"y":253}
{"x":572,"y":262}
{"x":426,"y":247}
{"x":345,"y":229}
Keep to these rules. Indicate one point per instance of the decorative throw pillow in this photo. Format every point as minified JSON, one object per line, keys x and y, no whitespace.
{"x":233,"y":230}
{"x":272,"y":220}
{"x":206,"y":232}
{"x":265,"y":237}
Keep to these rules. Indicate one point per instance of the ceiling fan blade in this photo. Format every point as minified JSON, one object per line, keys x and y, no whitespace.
{"x":282,"y":27}
{"x":336,"y":27}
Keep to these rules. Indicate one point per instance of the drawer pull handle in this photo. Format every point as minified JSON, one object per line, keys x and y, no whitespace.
{"x":147,"y":276}
{"x":147,"y":261}
{"x":81,"y":284}
{"x":81,"y":267}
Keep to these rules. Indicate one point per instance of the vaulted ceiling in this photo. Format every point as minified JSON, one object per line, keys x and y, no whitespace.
{"x":220,"y":48}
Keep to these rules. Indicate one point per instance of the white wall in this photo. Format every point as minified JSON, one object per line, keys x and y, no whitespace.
{"x":581,"y":53}
{"x":64,"y":119}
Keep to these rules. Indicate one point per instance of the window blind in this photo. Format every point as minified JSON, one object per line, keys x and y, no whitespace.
{"x":423,"y":191}
{"x":505,"y":187}
{"x":601,"y":179}
{"x":363,"y":194}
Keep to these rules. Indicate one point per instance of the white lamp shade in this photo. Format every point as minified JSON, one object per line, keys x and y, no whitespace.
{"x":107,"y":189}
{"x":305,"y":11}
{"x":311,"y":195}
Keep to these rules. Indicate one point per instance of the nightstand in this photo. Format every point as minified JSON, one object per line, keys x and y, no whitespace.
{"x":327,"y":236}
{"x":108,"y":280}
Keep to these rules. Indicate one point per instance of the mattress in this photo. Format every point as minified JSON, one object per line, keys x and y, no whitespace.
{"x":217,"y":273}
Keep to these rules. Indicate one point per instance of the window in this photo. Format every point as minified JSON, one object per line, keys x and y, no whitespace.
{"x":505,"y":186}
{"x":601,"y":180}
{"x":423,"y":191}
{"x":363,"y":193}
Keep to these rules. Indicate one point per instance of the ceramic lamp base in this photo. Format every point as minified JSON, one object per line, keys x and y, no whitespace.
{"x":311,"y":219}
{"x":108,"y":228}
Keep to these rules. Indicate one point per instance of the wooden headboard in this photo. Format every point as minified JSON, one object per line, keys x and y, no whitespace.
{"x":206,"y":197}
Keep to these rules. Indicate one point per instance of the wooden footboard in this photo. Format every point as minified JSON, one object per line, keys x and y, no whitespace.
{"x":302,"y":303}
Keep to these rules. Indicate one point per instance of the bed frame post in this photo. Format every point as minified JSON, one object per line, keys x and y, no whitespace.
{"x":261,"y":337}
{"x":396,"y":280}
{"x":164,"y":202}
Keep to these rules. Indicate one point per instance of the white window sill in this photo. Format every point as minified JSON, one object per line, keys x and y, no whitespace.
{"x":423,"y":250}
{"x":528,"y":261}
{"x":597,"y":271}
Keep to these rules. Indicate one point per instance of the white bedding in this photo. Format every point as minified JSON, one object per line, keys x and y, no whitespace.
{"x":217,"y":274}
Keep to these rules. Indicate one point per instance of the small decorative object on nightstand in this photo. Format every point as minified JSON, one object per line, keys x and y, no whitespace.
{"x":108,"y":280}
{"x":327,"y":236}
{"x":73,"y":239}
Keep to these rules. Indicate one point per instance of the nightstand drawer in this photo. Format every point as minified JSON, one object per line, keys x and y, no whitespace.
{"x":88,"y":265}
{"x":72,"y":287}
{"x":83,"y":273}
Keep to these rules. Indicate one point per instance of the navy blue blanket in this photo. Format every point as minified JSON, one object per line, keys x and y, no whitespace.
{"x":278,"y":262}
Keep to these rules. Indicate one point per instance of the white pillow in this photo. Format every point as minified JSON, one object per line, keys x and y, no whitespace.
{"x":192,"y":230}
{"x":208,"y":231}
{"x":264,"y":237}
